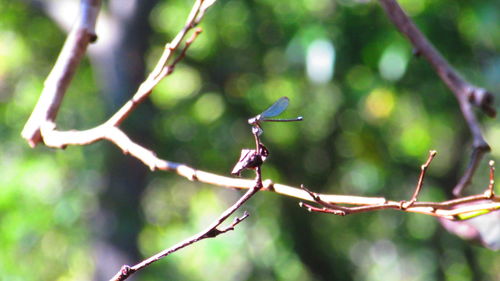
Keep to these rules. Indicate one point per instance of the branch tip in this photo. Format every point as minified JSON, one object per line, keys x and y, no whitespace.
{"x":490,"y":192}
{"x":403,"y":204}
{"x":245,"y":214}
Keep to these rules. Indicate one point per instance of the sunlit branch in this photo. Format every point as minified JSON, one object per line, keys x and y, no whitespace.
{"x":56,"y":84}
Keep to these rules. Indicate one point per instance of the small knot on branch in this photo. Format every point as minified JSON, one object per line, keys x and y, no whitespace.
{"x":193,"y":176}
{"x":170,"y":47}
{"x":483,"y":99}
{"x":125,"y":270}
{"x":268,"y":185}
{"x":92,"y":38}
{"x":403,"y":204}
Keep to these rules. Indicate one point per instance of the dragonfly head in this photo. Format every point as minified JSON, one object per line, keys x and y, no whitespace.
{"x":254,"y":120}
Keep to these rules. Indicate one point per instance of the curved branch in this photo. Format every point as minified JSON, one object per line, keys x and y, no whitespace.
{"x":466,"y":93}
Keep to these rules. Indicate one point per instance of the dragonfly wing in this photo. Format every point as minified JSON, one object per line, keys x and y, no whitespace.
{"x":276,"y":109}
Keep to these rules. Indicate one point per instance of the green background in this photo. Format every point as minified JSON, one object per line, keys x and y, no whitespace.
{"x":79,"y":213}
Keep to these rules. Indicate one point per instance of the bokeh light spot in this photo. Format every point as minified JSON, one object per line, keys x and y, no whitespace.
{"x":209,"y":108}
{"x":183,"y":83}
{"x":379,"y":104}
{"x":320,"y":61}
{"x":360,"y":77}
{"x":392,"y":64}
{"x":415,"y":140}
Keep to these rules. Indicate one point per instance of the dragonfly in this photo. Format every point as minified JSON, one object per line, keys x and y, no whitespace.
{"x":274,"y":110}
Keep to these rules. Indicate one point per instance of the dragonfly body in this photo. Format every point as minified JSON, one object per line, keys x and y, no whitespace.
{"x":274,"y":110}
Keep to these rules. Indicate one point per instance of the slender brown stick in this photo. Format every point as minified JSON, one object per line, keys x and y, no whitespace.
{"x":332,"y":208}
{"x":490,"y":192}
{"x":161,"y":69}
{"x":451,"y":209}
{"x":420,"y":183}
{"x":465,"y":93}
{"x":209,"y":232}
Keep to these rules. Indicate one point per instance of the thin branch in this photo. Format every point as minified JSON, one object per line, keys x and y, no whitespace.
{"x":331,"y":208}
{"x":465,"y":93}
{"x":452,"y":209}
{"x":420,"y":183}
{"x":466,"y":179}
{"x":490,"y":192}
{"x":162,"y":69}
{"x":210,"y":232}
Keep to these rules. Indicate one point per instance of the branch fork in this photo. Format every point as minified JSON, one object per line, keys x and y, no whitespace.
{"x":467,"y":95}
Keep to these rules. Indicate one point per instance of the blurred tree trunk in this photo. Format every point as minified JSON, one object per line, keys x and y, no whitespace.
{"x":119,"y":63}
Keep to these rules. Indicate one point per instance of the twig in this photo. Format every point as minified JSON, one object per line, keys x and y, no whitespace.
{"x":465,"y":93}
{"x":420,"y":183}
{"x":329,"y":207}
{"x":451,"y":209}
{"x":210,"y":232}
{"x":490,"y":192}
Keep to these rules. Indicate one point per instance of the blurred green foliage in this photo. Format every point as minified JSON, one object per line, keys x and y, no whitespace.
{"x":367,"y":129}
